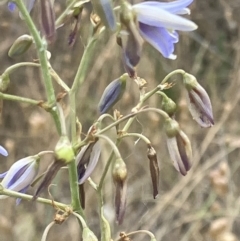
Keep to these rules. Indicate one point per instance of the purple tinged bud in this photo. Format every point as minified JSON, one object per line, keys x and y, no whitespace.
{"x":154,"y":169}
{"x":47,"y":20}
{"x":88,"y":156}
{"x":119,"y":174}
{"x":3,"y":151}
{"x":11,"y":6}
{"x":199,"y":103}
{"x":112,"y":94}
{"x":20,"y":46}
{"x":104,"y":10}
{"x":20,"y":175}
{"x":179,"y":147}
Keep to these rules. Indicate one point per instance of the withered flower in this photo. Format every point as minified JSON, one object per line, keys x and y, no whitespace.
{"x":87,"y":160}
{"x":179,"y":147}
{"x":199,"y":103}
{"x":47,"y":20}
{"x":63,"y":155}
{"x":154,"y":169}
{"x":119,"y":174}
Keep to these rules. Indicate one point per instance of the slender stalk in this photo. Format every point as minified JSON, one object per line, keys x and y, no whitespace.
{"x":12,"y":68}
{"x":177,"y":71}
{"x":41,"y":50}
{"x":140,"y":136}
{"x":11,"y":193}
{"x":20,"y":99}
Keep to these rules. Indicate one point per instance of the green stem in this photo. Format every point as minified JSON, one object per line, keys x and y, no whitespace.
{"x":84,"y":65}
{"x":73,"y":179}
{"x":11,"y":193}
{"x":20,"y":99}
{"x":12,"y":68}
{"x":177,"y":71}
{"x":144,"y":138}
{"x":41,"y":50}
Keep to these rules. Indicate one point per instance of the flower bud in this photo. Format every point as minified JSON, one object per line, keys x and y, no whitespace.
{"x":20,"y":46}
{"x":20,"y":175}
{"x":63,"y":150}
{"x":112,"y":94}
{"x":4,"y":82}
{"x":47,"y":20}
{"x":119,"y":174}
{"x":104,"y":10}
{"x":171,"y":127}
{"x":199,"y":105}
{"x":169,"y":106}
{"x":179,"y":147}
{"x":87,"y":234}
{"x":154,"y":169}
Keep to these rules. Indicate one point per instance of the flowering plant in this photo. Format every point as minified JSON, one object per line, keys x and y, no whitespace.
{"x":156,"y":23}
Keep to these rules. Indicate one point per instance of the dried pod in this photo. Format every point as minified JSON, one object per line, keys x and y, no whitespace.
{"x":179,"y":147}
{"x":199,"y":103}
{"x":47,"y":20}
{"x":104,"y":10}
{"x":119,"y":174}
{"x":154,"y":169}
{"x":112,"y":94}
{"x":20,"y":46}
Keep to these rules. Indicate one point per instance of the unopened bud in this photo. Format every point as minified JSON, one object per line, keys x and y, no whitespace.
{"x":169,"y":106}
{"x":4,"y":82}
{"x":112,"y":94}
{"x":171,"y":127}
{"x":63,"y":150}
{"x":199,"y":104}
{"x":20,"y":46}
{"x":154,"y":170}
{"x":119,"y":174}
{"x":88,"y":235}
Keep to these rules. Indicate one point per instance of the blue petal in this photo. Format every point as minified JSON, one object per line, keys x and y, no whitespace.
{"x":172,"y":7}
{"x":3,"y":174}
{"x":109,"y":14}
{"x":11,"y":6}
{"x":160,"y":17}
{"x":18,"y":200}
{"x":3,"y":151}
{"x":160,"y":39}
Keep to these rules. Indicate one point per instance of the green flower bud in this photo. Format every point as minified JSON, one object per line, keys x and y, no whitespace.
{"x":4,"y":82}
{"x":88,"y":235}
{"x":168,"y":105}
{"x":171,"y":127}
{"x":20,"y":46}
{"x":112,"y":94}
{"x":63,"y":150}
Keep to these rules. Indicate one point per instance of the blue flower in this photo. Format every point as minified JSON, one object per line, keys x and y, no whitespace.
{"x":20,"y":175}
{"x":159,"y":21}
{"x":3,"y":151}
{"x":28,"y":3}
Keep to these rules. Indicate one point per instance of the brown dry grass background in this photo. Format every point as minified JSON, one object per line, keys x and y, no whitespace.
{"x":202,"y":206}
